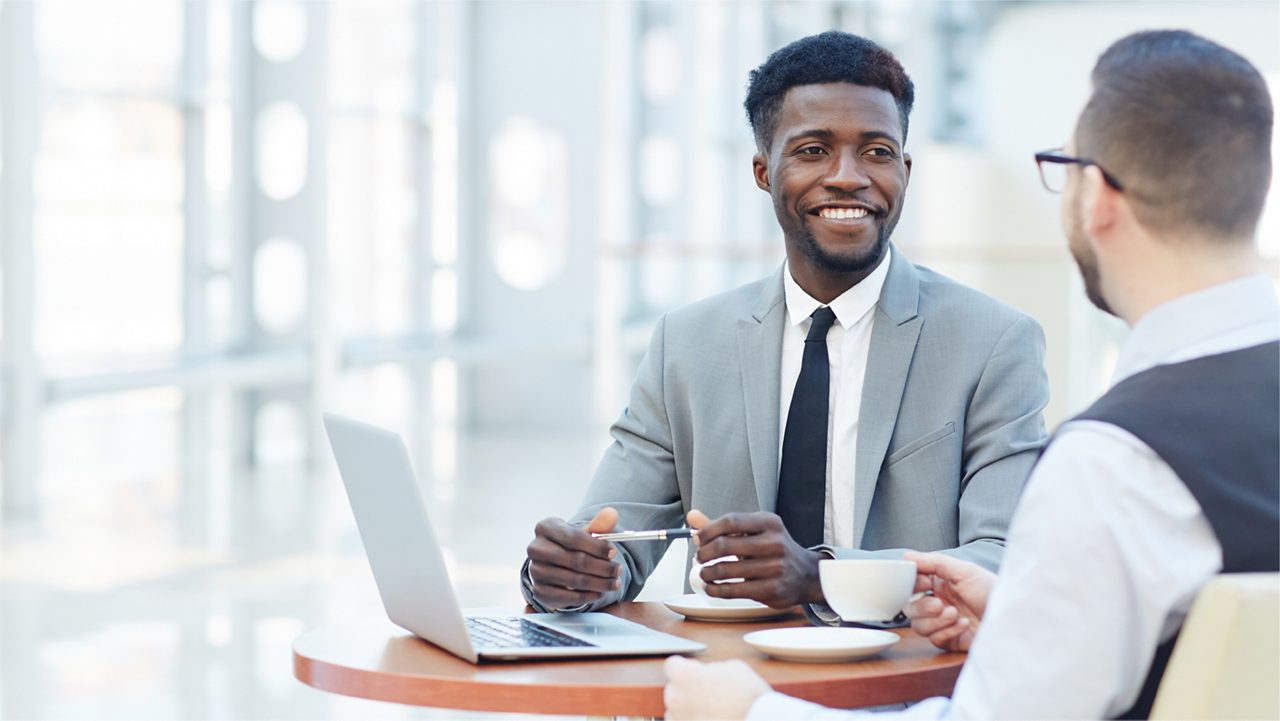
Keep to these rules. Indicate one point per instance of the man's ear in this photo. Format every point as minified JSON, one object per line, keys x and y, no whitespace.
{"x":1099,"y":201}
{"x":906,"y":162}
{"x":760,"y":169}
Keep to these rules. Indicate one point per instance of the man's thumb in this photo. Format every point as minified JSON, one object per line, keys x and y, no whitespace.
{"x":604,"y":521}
{"x":937,"y":564}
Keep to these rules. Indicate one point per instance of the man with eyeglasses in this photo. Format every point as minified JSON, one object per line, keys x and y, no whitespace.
{"x":1173,"y":476}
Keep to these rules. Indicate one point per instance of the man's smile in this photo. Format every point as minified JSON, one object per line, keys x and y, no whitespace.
{"x":847,"y":214}
{"x":843,"y":213}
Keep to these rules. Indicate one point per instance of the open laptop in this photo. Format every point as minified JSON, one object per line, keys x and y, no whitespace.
{"x":414,"y":584}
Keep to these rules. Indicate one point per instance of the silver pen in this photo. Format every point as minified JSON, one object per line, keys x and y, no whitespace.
{"x":659,"y":535}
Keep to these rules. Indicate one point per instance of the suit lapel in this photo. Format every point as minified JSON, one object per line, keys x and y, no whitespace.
{"x":893,"y":343}
{"x":760,"y":358}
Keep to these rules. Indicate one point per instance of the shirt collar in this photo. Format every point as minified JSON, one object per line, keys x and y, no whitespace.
{"x":849,"y":307}
{"x":1195,"y":319}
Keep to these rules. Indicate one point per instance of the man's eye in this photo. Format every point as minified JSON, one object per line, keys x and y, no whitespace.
{"x":882,"y":152}
{"x":812,"y":150}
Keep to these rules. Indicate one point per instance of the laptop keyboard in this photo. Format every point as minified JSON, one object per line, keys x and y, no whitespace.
{"x":515,"y":632}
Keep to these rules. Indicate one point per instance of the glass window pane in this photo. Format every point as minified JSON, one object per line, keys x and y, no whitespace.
{"x":371,"y":175}
{"x":1,"y":223}
{"x":371,"y":224}
{"x":373,"y":54}
{"x":108,"y":230}
{"x":279,"y":29}
{"x":280,"y":285}
{"x":218,"y":37}
{"x":282,"y":150}
{"x":529,"y":216}
{"x":122,"y":45}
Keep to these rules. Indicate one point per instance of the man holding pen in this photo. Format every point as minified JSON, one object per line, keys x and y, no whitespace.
{"x":850,"y":405}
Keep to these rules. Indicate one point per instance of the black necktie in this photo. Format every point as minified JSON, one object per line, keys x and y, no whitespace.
{"x":802,"y":480}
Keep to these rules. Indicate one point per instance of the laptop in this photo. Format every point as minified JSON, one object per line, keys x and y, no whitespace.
{"x":410,"y":572}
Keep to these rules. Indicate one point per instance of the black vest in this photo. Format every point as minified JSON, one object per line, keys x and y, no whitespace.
{"x":1216,"y":422}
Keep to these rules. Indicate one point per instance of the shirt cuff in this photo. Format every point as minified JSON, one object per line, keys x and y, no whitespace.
{"x":773,"y":706}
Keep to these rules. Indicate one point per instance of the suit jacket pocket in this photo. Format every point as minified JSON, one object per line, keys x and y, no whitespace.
{"x":920,"y":443}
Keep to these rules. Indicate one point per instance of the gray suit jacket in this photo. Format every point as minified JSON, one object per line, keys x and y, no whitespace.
{"x":949,"y":427}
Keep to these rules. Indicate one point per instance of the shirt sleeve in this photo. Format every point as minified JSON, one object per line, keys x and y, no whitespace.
{"x":774,"y":706}
{"x":1106,"y":553}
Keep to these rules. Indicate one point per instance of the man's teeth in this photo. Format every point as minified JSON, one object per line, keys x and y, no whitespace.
{"x":843,"y":213}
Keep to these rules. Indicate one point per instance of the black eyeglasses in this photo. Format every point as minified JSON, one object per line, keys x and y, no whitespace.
{"x":1053,"y":170}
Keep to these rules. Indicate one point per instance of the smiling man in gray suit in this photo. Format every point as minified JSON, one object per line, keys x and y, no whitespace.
{"x":850,"y":405}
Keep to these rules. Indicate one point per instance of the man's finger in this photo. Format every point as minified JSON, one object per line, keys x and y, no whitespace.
{"x":555,"y":597}
{"x":737,"y":524}
{"x":764,"y":543}
{"x":549,"y":553}
{"x":681,"y":676}
{"x":677,"y":666}
{"x":949,"y":633}
{"x":926,"y":607}
{"x":767,"y":592}
{"x":574,"y":538}
{"x":749,"y":569}
{"x":571,"y":579}
{"x":930,"y":625}
{"x":939,"y":564}
{"x":604,"y":521}
{"x":697,"y":519}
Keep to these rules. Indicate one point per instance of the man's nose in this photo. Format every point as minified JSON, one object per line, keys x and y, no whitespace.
{"x":846,"y":172}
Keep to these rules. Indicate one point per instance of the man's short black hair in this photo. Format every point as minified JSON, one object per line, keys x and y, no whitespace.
{"x":1185,"y":125}
{"x":830,"y":57}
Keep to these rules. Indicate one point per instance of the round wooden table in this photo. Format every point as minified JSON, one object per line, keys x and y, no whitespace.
{"x":376,"y":659}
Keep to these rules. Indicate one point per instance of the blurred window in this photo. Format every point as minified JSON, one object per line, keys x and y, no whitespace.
{"x":107,"y":228}
{"x":375,"y":137}
{"x":122,"y":46}
{"x":280,"y":285}
{"x":529,"y":203}
{"x":279,"y":29}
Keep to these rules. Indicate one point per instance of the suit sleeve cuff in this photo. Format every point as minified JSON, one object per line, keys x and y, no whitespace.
{"x":526,"y":589}
{"x":820,"y":614}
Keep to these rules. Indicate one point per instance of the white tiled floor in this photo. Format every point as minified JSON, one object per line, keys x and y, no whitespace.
{"x":104,"y":615}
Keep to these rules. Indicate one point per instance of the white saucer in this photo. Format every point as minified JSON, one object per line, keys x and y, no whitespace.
{"x":699,"y":608}
{"x":824,"y":645}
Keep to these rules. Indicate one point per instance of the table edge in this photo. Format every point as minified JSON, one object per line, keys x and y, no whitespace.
{"x":573,"y":699}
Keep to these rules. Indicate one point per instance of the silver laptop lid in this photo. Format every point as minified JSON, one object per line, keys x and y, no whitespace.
{"x":409,"y":567}
{"x":407,"y":563}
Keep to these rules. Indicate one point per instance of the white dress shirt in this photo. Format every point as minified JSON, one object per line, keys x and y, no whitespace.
{"x":1106,"y":552}
{"x":847,"y":344}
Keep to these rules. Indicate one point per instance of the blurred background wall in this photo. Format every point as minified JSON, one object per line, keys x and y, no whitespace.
{"x":458,"y":219}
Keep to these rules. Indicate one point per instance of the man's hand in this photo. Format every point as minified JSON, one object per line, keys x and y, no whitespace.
{"x":568,"y":567}
{"x":950,"y":617}
{"x":721,"y":690}
{"x":776,"y":571}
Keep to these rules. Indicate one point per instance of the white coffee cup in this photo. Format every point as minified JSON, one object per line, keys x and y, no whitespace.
{"x":700,"y":587}
{"x":866,"y":589}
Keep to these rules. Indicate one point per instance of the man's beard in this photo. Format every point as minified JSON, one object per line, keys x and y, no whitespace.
{"x":1087,"y":262}
{"x":846,"y":264}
